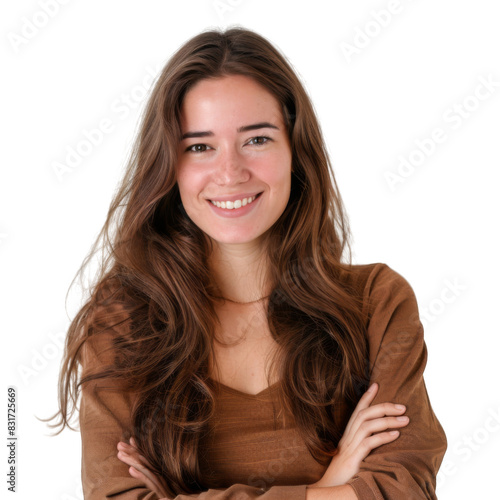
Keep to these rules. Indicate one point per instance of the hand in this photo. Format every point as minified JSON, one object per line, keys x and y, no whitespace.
{"x":361,"y":436}
{"x":140,"y":468}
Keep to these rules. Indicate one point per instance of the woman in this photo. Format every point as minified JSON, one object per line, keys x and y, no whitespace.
{"x":226,"y":349}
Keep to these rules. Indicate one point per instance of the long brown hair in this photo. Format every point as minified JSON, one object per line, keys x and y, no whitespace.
{"x":154,"y":278}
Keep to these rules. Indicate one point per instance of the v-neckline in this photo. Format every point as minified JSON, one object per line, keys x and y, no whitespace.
{"x":242,"y":393}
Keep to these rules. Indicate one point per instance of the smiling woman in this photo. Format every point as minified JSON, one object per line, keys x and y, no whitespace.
{"x":228,"y":348}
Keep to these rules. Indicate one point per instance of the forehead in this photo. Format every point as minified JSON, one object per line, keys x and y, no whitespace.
{"x":233,"y":98}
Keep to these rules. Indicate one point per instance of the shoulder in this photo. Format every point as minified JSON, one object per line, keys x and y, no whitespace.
{"x":375,"y":276}
{"x":385,"y":283}
{"x":394,"y":325}
{"x":382,"y":289}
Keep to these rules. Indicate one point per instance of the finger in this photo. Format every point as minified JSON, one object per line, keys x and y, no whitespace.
{"x":359,"y":453}
{"x":364,"y":402}
{"x":138,"y":467}
{"x":381,"y":410}
{"x":146,"y":480}
{"x":127,"y":446}
{"x":131,"y":444}
{"x":368,"y":396}
{"x":370,"y":427}
{"x":126,"y":458}
{"x":361,"y":426}
{"x":134,"y":459}
{"x":376,"y":411}
{"x":377,"y":440}
{"x":133,"y":451}
{"x":152,"y":482}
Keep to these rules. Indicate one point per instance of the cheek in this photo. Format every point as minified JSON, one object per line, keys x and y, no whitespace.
{"x":189,"y":182}
{"x":278,"y":173}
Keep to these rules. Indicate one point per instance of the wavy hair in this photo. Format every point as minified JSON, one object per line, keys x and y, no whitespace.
{"x":154,"y":284}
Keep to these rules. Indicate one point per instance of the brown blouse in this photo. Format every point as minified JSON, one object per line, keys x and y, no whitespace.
{"x":253,"y":448}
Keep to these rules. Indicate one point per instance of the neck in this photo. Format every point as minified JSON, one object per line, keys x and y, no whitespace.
{"x":240,"y":271}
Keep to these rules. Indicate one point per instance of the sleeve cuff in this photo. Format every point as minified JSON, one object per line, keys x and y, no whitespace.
{"x":361,"y":489}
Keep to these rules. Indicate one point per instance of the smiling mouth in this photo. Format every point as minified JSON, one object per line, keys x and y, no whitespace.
{"x":232,"y":205}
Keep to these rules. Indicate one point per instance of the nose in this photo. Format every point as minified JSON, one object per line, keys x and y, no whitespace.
{"x":231,"y":167}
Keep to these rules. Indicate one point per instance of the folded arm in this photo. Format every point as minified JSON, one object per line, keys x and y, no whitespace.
{"x":407,"y":467}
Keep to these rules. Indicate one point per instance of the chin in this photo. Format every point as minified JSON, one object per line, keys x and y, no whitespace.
{"x":235,"y":239}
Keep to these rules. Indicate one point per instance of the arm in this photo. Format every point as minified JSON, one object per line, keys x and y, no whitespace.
{"x":407,"y":467}
{"x":104,"y":421}
{"x":141,"y":469}
{"x":243,"y":492}
{"x":344,"y":492}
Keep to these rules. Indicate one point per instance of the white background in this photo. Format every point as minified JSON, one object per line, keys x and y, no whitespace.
{"x":438,"y":227}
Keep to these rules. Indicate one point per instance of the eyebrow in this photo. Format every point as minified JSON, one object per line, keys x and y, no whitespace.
{"x":246,"y":128}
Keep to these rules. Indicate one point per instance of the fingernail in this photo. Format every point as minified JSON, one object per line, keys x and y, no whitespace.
{"x":372,"y":387}
{"x":402,"y":419}
{"x":400,"y":407}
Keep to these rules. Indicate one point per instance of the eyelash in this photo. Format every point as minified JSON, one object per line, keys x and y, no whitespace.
{"x":190,"y":148}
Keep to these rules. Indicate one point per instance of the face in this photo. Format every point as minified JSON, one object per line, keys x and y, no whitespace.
{"x":234,"y":161}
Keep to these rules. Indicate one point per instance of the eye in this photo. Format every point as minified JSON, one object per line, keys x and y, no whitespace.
{"x":197,"y":148}
{"x":260,"y":140}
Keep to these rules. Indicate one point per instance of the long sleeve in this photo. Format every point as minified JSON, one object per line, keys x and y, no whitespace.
{"x":405,"y":468}
{"x":104,"y":421}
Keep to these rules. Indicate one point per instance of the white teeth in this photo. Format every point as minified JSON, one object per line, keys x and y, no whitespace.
{"x":229,"y":205}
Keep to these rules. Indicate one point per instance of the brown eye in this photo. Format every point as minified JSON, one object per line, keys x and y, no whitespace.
{"x":260,"y":140}
{"x":197,"y":148}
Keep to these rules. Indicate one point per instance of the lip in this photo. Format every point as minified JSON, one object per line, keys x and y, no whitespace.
{"x":235,"y":212}
{"x":234,"y":197}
